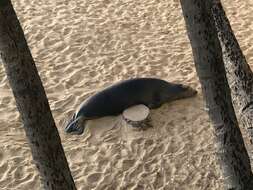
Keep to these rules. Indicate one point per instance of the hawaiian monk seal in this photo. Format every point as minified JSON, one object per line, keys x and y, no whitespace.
{"x":115,"y":99}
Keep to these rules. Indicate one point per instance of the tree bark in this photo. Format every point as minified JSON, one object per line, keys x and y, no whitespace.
{"x":230,"y":149}
{"x":32,"y":103}
{"x":239,"y":74}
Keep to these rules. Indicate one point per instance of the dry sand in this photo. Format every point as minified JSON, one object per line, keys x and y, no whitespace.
{"x":82,"y":46}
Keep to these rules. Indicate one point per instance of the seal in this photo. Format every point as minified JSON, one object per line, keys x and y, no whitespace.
{"x":115,"y":99}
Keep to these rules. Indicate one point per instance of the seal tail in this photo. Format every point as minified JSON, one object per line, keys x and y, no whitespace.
{"x":75,"y":125}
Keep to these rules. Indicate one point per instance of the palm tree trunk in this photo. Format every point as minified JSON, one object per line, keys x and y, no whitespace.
{"x":239,"y":74}
{"x":231,"y":152}
{"x":32,"y":103}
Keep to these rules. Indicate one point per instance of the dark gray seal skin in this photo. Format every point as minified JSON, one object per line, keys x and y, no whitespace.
{"x":115,"y":99}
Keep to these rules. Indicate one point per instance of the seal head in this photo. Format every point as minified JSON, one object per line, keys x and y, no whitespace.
{"x":180,"y":91}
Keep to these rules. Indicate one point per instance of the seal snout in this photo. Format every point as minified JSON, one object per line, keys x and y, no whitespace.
{"x":189,"y":91}
{"x":183,"y":91}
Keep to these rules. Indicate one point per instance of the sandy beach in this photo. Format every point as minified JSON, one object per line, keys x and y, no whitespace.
{"x":83,"y":46}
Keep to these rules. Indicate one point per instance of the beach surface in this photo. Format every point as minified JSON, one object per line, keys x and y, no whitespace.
{"x":83,"y":46}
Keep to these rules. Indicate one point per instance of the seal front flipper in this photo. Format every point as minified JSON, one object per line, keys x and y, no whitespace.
{"x":156,"y":101}
{"x":154,"y":105}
